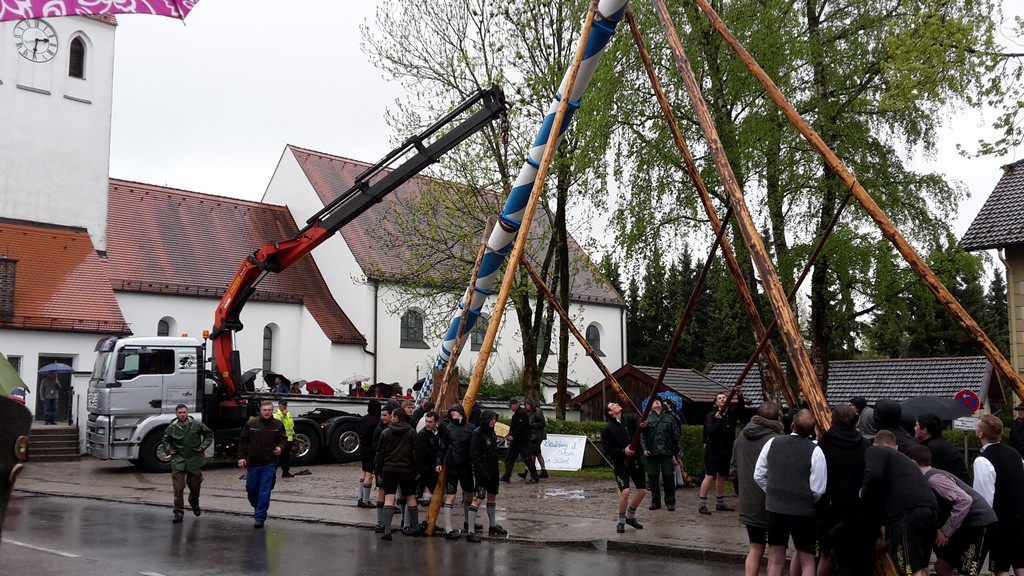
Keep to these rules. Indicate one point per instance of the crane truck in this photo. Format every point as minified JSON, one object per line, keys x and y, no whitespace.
{"x":137,"y":381}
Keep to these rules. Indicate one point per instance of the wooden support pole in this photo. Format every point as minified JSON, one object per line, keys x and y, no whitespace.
{"x":798,"y":358}
{"x":567,"y":322}
{"x":774,"y":375}
{"x":443,"y":391}
{"x":917,"y":264}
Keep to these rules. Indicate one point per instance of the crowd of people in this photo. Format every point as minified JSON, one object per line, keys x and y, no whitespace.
{"x":871,"y":484}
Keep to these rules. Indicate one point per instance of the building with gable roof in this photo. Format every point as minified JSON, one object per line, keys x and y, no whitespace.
{"x":999,"y":225}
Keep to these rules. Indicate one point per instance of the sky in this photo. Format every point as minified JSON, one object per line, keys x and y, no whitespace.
{"x":209,"y":105}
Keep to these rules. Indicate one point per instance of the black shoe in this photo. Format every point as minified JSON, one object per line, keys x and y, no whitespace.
{"x":379,"y":529}
{"x":196,"y":510}
{"x":522,"y":475}
{"x":258,"y":524}
{"x":453,"y":535}
{"x":670,"y":508}
{"x":533,"y":480}
{"x":654,"y":507}
{"x":632,"y":522}
{"x":724,"y":508}
{"x":179,"y":517}
{"x":386,"y":537}
{"x":496,"y":531}
{"x":620,"y":528}
{"x":472,"y":537}
{"x":704,"y":510}
{"x":408,"y":531}
{"x":543,"y":474}
{"x":287,"y":475}
{"x":465,"y":526}
{"x":505,"y":479}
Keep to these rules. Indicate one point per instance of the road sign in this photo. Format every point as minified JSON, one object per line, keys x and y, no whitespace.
{"x":968,"y":398}
{"x":966,"y":423}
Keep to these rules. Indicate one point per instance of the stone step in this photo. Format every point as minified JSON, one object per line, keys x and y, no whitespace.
{"x":34,"y":457}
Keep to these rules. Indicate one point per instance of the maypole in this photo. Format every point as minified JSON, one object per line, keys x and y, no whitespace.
{"x":607,"y":16}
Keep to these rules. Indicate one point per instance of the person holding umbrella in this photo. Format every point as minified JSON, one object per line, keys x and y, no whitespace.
{"x":49,"y":389}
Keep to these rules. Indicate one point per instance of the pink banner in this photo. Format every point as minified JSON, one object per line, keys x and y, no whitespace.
{"x":25,"y":9}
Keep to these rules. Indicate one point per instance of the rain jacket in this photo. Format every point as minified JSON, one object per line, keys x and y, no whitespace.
{"x":184,"y":441}
{"x":454,"y":449}
{"x":661,"y":437}
{"x":745,"y":451}
{"x":396,"y":449}
{"x":289,"y":423}
{"x":538,"y":424}
{"x":484,"y":450}
{"x":258,"y":439}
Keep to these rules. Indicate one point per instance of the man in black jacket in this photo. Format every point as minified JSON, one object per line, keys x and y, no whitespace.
{"x":428,"y":441}
{"x":396,"y":468}
{"x":483,"y":448}
{"x":259,"y":445}
{"x":719,"y":436}
{"x":454,"y":456}
{"x":1017,"y":430}
{"x":846,"y":538}
{"x":945,"y":456}
{"x":616,"y":438}
{"x":367,"y":426}
{"x":519,"y":443}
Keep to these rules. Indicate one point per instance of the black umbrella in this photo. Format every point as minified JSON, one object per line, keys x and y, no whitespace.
{"x":945,"y":408}
{"x":250,"y":374}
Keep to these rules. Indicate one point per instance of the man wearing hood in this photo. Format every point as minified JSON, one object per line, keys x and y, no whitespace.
{"x":454,"y":457}
{"x":519,"y":443}
{"x":846,"y":536}
{"x":762,"y":427}
{"x":428,"y":440}
{"x":616,"y":438}
{"x":484,"y":455}
{"x":395,"y":466}
{"x":367,"y":426}
{"x":888,"y":415}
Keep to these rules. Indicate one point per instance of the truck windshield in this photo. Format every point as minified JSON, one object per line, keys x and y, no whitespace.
{"x":99,"y":369}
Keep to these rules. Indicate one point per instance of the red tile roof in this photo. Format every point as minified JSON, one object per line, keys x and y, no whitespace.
{"x":60,"y":282}
{"x":105,"y":18}
{"x":332,"y":176}
{"x":167,"y":241}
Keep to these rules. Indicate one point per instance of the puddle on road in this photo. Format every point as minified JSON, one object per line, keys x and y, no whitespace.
{"x":564,"y":493}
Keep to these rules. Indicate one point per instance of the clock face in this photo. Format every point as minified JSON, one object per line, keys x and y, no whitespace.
{"x":35,"y":40}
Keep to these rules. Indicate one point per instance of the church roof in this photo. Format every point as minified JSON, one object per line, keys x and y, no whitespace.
{"x":332,"y":176}
{"x":59,"y":281}
{"x":167,"y":241}
{"x":1001,"y":219}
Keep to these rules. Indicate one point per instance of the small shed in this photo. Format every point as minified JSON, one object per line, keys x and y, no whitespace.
{"x":697,"y":391}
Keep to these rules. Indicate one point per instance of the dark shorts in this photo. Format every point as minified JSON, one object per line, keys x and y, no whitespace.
{"x":801,"y":528}
{"x":967,"y":548}
{"x":1007,"y":550}
{"x":716,"y":464}
{"x":456,"y":476}
{"x":757,"y":535}
{"x":535,"y":447}
{"x":391,"y":481}
{"x":368,"y":457}
{"x":428,"y":481}
{"x":485,"y":487}
{"x":911,"y":539}
{"x":635,"y":473}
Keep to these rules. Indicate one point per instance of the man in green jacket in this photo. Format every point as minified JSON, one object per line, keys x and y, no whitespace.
{"x":660,"y":442}
{"x":186,"y":440}
{"x":285,"y":417}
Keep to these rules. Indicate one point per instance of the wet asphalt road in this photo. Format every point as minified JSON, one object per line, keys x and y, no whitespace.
{"x":46,"y":535}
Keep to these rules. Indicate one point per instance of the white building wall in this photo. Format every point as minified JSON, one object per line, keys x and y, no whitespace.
{"x":343,"y":275}
{"x":49,"y":120}
{"x":300,"y":349}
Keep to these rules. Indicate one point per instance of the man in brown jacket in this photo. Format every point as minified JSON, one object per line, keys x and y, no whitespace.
{"x":259,"y":445}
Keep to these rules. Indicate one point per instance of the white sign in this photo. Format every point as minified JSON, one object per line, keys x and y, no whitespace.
{"x":965,"y":423}
{"x":563,"y":452}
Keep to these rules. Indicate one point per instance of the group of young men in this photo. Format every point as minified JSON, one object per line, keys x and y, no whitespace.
{"x":407,"y":463}
{"x":870,"y":484}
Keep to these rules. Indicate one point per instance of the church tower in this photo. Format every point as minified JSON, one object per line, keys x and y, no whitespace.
{"x":56,"y":89}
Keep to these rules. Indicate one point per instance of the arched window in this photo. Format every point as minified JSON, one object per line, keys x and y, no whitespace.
{"x":412,"y":330}
{"x":163,"y":328}
{"x":476,"y":337}
{"x":268,"y":347}
{"x":76,"y":59}
{"x":594,"y":338}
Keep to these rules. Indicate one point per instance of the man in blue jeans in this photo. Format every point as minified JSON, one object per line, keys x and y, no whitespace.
{"x":49,"y":391}
{"x":259,"y":445}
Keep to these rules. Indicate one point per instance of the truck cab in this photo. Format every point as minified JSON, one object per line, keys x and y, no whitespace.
{"x":135,"y":386}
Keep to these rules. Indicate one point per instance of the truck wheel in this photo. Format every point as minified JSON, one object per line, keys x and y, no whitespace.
{"x":151,"y":454}
{"x":345,"y":442}
{"x":306,"y":445}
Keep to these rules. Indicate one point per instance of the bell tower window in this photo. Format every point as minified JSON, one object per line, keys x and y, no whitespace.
{"x":76,"y":59}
